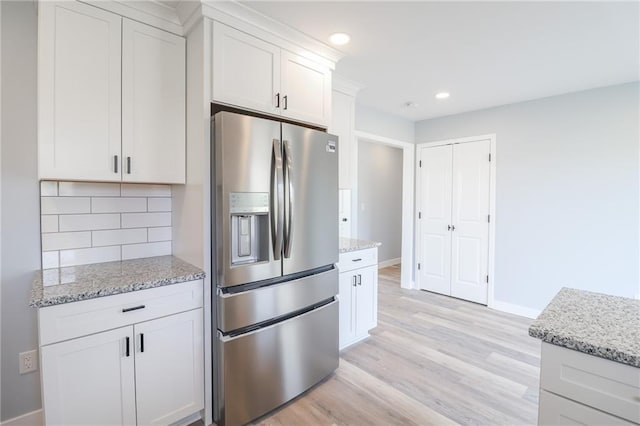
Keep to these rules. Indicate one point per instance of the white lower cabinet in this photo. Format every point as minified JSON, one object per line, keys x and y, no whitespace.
{"x":358,"y":295}
{"x":578,"y":388}
{"x":150,"y":372}
{"x":90,"y":380}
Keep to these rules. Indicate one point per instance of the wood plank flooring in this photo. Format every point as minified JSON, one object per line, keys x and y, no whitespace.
{"x":431,"y":360}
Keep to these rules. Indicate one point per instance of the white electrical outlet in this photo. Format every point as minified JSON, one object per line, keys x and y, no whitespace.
{"x":28,"y":361}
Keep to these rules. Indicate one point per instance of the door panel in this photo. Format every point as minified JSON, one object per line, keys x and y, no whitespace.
{"x":470,"y":239}
{"x":169,"y":371}
{"x":79,"y":57}
{"x":311,"y":226}
{"x":307,"y":87}
{"x":367,"y":300}
{"x":347,"y":295}
{"x":90,"y":380}
{"x":435,"y":237}
{"x":153,"y":104}
{"x":243,"y":155}
{"x":246,"y":70}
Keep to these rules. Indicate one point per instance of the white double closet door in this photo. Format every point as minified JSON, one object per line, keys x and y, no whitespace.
{"x":453,"y":244}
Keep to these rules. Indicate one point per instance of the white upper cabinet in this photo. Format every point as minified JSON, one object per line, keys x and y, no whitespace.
{"x":246,"y":70}
{"x":251,"y":73}
{"x":109,"y":90}
{"x":153,"y":104}
{"x":306,"y":89}
{"x":79,"y":92}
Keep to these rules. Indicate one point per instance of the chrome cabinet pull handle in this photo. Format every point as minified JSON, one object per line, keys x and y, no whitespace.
{"x":356,"y":260}
{"x":286,"y":102}
{"x":277,"y":100}
{"x":128,"y":165}
{"x":355,"y":282}
{"x":448,"y":227}
{"x":141,"y":342}
{"x":115,"y":164}
{"x":127,"y":347}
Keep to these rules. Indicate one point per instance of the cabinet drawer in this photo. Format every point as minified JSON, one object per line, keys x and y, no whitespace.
{"x":358,"y":259}
{"x":556,"y":410}
{"x":67,"y":321}
{"x":597,"y":382}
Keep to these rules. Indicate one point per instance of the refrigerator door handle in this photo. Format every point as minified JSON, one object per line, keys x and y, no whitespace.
{"x":288,"y":230}
{"x":277,"y":199}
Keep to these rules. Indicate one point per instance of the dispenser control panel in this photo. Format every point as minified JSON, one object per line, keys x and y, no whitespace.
{"x":248,"y":202}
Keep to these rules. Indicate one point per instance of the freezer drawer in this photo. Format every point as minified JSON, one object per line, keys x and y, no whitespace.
{"x":240,"y":310}
{"x":265,"y":368}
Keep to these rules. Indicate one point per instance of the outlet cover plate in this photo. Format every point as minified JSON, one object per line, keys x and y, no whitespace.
{"x":28,"y":361}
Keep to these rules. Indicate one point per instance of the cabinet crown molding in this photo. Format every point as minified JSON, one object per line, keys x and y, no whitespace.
{"x":346,"y":86}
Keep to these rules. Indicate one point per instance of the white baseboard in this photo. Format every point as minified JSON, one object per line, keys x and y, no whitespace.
{"x":188,"y":420}
{"x":34,"y":418}
{"x":515,"y":309}
{"x":390,"y":262}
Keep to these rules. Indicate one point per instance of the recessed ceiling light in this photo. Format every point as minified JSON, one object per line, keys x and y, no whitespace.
{"x":339,"y":39}
{"x":442,"y":95}
{"x":411,"y":104}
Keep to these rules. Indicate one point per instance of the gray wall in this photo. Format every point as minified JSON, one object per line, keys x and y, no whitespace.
{"x":20,"y":219}
{"x":380,"y":197}
{"x":382,"y":124}
{"x":567,"y":191}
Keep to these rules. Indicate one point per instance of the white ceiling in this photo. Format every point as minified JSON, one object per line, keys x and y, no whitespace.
{"x":484,"y":53}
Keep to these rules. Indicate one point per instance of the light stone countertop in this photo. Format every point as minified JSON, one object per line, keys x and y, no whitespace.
{"x":75,"y":283}
{"x":351,"y":244}
{"x":593,"y":323}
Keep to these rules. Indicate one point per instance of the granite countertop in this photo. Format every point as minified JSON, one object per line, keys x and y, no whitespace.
{"x":351,"y":244}
{"x":594,"y":323}
{"x":75,"y":283}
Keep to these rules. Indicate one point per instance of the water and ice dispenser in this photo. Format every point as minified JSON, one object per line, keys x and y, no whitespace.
{"x":249,"y":227}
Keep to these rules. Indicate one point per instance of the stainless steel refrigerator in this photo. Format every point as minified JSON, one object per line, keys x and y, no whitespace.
{"x":275,"y":236}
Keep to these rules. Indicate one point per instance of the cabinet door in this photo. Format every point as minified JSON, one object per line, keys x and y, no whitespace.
{"x":347,"y":290}
{"x":246,"y":70}
{"x":90,"y":380}
{"x":169,"y":368}
{"x":366,"y":300}
{"x":306,"y":90}
{"x":153,"y":104}
{"x":78,"y":92}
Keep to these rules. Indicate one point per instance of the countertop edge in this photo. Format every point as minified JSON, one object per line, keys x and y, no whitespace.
{"x":554,"y":338}
{"x":112,"y":291}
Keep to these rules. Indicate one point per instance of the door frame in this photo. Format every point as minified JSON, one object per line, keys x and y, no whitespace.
{"x":492,"y":205}
{"x":408,"y":174}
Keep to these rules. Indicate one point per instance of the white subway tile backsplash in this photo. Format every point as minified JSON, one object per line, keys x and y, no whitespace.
{"x":141,"y":190}
{"x":119,"y":236}
{"x":159,"y":204}
{"x":160,"y":234}
{"x":89,"y":255}
{"x":65,"y":205}
{"x":89,"y":189}
{"x":118,"y":205}
{"x":94,"y":222}
{"x":48,"y":223}
{"x":48,"y":189}
{"x":65,"y":240}
{"x":136,"y":251}
{"x":50,"y":259}
{"x":89,"y":222}
{"x":140,"y":220}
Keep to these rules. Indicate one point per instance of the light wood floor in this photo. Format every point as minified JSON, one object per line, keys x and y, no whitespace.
{"x":431,"y":360}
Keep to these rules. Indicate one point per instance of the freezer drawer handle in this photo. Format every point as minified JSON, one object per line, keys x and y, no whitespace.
{"x":135,"y":308}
